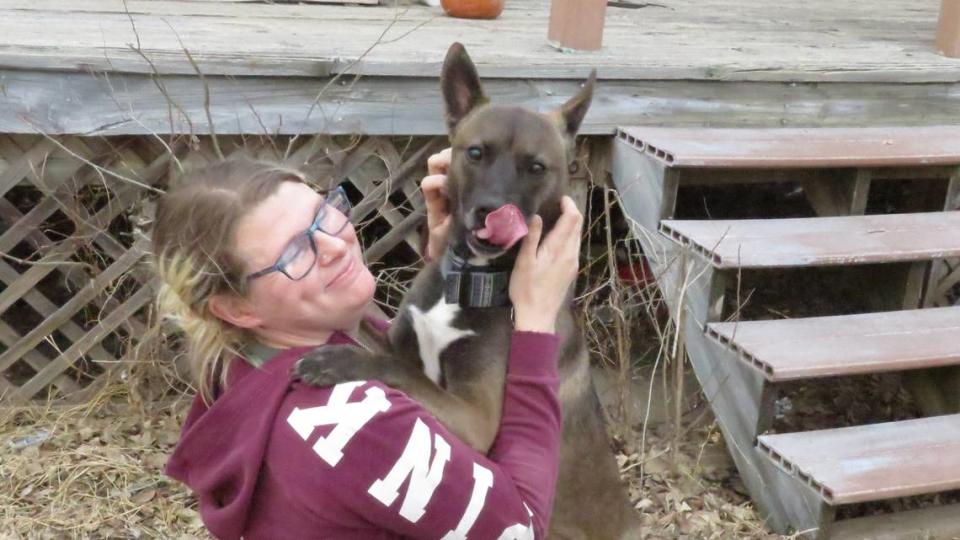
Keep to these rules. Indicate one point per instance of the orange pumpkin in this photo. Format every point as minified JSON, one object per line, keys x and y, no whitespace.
{"x":473,"y":9}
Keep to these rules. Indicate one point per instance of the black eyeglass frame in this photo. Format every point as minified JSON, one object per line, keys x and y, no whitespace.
{"x":293,"y":248}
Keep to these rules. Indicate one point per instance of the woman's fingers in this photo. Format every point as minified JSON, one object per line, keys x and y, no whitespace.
{"x":565,"y":235}
{"x":439,"y":163}
{"x":434,"y":195}
{"x":531,"y":242}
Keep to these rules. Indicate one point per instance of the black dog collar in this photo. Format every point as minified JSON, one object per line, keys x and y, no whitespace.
{"x":473,"y":286}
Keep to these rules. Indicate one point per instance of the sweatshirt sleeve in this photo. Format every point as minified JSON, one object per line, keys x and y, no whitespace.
{"x":371,"y":458}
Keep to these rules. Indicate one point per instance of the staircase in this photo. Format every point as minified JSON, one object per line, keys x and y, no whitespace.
{"x":799,"y":480}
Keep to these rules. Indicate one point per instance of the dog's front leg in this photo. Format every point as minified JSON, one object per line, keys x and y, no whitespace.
{"x":336,"y":364}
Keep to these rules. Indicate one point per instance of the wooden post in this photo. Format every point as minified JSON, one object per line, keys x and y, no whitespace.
{"x":576,"y":24}
{"x":948,"y":29}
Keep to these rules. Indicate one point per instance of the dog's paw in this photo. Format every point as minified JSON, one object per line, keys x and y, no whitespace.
{"x":332,"y":365}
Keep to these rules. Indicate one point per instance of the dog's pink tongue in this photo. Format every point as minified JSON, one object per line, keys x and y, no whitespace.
{"x":503,"y":227}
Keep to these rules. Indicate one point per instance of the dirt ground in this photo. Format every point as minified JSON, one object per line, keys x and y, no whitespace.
{"x":95,"y":471}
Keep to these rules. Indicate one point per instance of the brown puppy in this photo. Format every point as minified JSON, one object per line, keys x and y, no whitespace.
{"x":448,"y":346}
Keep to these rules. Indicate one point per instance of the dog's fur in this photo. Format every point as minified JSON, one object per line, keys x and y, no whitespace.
{"x":471,"y":344}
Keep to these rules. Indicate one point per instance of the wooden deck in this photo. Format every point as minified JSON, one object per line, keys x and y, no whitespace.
{"x":676,"y":62}
{"x":730,"y":40}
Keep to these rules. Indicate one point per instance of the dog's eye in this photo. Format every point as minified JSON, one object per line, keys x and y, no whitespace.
{"x":537,"y":168}
{"x":475,"y":153}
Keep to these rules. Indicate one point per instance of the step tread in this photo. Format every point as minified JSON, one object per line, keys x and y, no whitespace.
{"x":797,"y":147}
{"x":790,"y":349}
{"x":931,"y":522}
{"x":821,"y":241}
{"x":874,"y":462}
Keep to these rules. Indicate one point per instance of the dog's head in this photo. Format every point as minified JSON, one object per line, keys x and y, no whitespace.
{"x":503,"y":156}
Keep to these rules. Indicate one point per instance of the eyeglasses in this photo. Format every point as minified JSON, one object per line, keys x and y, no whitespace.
{"x":300,"y":255}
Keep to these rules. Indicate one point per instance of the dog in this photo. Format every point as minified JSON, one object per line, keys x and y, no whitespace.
{"x":448,"y":346}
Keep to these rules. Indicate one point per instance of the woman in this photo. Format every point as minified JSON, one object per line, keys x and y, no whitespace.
{"x":258,"y":268}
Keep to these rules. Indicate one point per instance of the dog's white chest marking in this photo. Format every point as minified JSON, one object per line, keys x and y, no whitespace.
{"x":435,"y":332}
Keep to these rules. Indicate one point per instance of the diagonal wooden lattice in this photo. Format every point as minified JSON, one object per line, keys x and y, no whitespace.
{"x":75,"y":287}
{"x":943,"y":288}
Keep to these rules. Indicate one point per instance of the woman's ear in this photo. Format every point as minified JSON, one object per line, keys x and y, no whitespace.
{"x":234,"y":310}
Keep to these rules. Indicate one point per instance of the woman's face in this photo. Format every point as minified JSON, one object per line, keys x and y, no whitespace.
{"x":332,"y":296}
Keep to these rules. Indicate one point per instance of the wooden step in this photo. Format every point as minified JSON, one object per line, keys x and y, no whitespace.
{"x":789,"y":349}
{"x":933,"y":523}
{"x":797,"y":147}
{"x":822,"y":241}
{"x":874,"y":462}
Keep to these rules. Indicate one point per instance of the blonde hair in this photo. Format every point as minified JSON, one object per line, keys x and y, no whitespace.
{"x":193,"y":246}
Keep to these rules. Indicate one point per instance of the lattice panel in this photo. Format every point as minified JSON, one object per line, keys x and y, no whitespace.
{"x":74,"y":214}
{"x":943,"y":288}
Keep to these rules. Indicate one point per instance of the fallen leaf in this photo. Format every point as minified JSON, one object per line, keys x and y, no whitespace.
{"x":144,"y":496}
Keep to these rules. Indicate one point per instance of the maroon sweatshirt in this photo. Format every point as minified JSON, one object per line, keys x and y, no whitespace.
{"x":275,"y":458}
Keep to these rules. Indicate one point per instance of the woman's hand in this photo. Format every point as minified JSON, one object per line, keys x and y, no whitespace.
{"x":544,"y":270}
{"x":434,"y":188}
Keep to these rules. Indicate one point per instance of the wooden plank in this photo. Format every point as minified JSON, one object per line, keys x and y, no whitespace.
{"x":860,"y":191}
{"x":67,"y":310}
{"x":783,"y":243}
{"x":873,"y":462}
{"x":57,"y":258}
{"x":26,"y":226}
{"x":401,"y":231}
{"x":78,"y":103}
{"x":109,"y":323}
{"x":799,"y":147}
{"x":943,"y":284}
{"x":913,"y":283}
{"x":911,"y":173}
{"x":934,"y":522}
{"x":833,"y":192}
{"x":24,"y":164}
{"x":944,"y":274}
{"x":56,"y":167}
{"x":21,"y":227}
{"x":10,"y":215}
{"x":46,"y":308}
{"x":366,"y":176}
{"x":948,"y":28}
{"x":953,"y":191}
{"x":93,"y":226}
{"x":379,"y":193}
{"x":862,"y":40}
{"x":791,"y":349}
{"x":37,"y":361}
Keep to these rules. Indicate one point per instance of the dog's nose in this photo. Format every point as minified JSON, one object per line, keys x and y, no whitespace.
{"x":480,"y":214}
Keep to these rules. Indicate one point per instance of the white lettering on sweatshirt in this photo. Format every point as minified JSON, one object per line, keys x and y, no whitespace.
{"x":347,"y":418}
{"x":482,"y":482}
{"x":425,"y":474}
{"x":415,"y":464}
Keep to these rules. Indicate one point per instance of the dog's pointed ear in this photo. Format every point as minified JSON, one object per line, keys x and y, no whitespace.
{"x":572,"y":112}
{"x":461,"y":85}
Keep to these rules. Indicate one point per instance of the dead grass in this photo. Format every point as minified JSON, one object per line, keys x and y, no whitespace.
{"x":96,"y":471}
{"x":93,"y":471}
{"x":688,"y":487}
